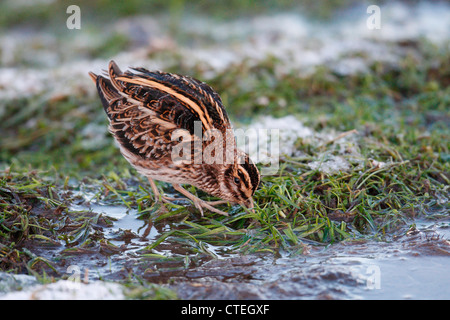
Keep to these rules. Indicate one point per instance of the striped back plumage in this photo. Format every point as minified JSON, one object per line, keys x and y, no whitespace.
{"x":145,"y":107}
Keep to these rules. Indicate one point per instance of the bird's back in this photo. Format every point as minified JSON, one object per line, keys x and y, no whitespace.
{"x":146,"y":107}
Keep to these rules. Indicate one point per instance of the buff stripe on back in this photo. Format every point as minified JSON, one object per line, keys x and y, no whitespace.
{"x":193,"y":106}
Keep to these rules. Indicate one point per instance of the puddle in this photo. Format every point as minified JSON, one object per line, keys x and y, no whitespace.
{"x":125,"y":219}
{"x":129,"y":237}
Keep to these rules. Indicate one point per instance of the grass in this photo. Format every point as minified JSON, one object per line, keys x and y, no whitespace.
{"x":400,"y":114}
{"x":294,"y":207}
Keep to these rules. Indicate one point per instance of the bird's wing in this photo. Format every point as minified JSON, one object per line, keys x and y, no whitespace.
{"x":145,"y":108}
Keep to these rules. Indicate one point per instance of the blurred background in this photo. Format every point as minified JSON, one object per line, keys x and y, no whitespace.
{"x":270,"y":57}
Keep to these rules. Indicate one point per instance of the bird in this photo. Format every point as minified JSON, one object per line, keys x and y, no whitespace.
{"x":154,"y":115}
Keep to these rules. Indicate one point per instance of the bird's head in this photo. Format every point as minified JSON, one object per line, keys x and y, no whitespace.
{"x":237,"y":181}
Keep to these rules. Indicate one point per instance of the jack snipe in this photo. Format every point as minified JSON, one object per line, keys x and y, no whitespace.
{"x":175,"y":129}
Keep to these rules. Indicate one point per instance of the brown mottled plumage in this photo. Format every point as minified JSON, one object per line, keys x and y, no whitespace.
{"x":147,"y":109}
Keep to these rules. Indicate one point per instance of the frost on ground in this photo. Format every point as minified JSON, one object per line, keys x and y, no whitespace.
{"x":68,"y":290}
{"x":10,"y":282}
{"x":330,"y":165}
{"x":269,"y":138}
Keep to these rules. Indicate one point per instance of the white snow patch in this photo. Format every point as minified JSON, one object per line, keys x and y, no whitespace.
{"x":330,"y":165}
{"x":268,"y":138}
{"x":9,"y":282}
{"x":269,"y":133}
{"x":301,"y":45}
{"x":69,"y":290}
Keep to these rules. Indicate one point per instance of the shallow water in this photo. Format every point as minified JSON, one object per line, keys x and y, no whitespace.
{"x":411,"y":266}
{"x":414,"y":266}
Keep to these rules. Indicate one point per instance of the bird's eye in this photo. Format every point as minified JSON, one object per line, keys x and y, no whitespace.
{"x":237,"y":180}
